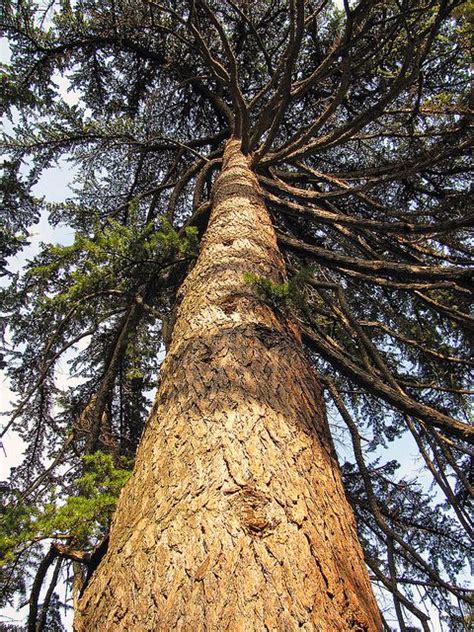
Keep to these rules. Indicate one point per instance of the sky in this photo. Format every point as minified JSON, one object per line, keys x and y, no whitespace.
{"x":54,"y":185}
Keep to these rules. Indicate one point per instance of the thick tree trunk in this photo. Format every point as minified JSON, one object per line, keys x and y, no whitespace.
{"x":235,"y":517}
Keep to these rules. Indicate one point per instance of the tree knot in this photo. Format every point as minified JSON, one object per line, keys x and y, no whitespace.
{"x":255,"y":510}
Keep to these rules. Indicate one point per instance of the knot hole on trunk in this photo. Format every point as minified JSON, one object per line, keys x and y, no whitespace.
{"x":255,"y":511}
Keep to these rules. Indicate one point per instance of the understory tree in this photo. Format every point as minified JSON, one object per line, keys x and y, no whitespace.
{"x":274,"y":196}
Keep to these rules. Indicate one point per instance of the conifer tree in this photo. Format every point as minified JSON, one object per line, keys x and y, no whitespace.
{"x":276,"y":192}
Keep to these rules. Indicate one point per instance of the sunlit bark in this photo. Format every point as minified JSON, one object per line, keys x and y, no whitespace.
{"x":235,"y":517}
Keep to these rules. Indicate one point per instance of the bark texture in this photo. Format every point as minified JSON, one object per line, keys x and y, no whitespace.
{"x":235,"y":517}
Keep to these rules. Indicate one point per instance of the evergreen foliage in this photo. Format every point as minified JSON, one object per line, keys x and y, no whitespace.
{"x":288,"y":296}
{"x":357,"y":121}
{"x":82,"y":518}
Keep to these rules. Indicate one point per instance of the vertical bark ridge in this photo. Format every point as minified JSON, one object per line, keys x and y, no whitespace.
{"x":235,"y":517}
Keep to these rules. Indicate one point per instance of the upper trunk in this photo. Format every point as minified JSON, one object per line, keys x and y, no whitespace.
{"x":235,"y":517}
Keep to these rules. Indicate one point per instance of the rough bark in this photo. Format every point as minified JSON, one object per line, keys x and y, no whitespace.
{"x":235,"y":517}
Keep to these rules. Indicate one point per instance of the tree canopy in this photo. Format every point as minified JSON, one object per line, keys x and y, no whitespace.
{"x":357,"y":122}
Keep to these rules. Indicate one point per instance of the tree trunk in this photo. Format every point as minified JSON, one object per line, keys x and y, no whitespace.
{"x":235,"y":517}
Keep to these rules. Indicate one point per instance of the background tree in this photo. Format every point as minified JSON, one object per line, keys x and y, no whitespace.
{"x":357,"y":121}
